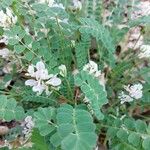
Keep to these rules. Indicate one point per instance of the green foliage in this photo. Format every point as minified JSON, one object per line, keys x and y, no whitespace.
{"x":82,"y":51}
{"x":72,"y":36}
{"x":118,"y":75}
{"x":91,"y":27}
{"x":93,"y":91}
{"x":39,"y":141}
{"x":15,"y":34}
{"x":5,"y":3}
{"x":6,"y":79}
{"x":72,"y":128}
{"x":19,"y":48}
{"x":146,"y":93}
{"x":144,"y":73}
{"x":68,"y":87}
{"x":120,"y":69}
{"x":146,"y":143}
{"x":98,"y":10}
{"x":9,"y":110}
{"x":75,"y":129}
{"x":44,"y":118}
{"x":30,"y":97}
{"x":128,"y":134}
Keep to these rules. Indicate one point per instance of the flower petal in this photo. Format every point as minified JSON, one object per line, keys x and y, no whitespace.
{"x":54,"y":81}
{"x":31,"y":82}
{"x":31,"y":71}
{"x":42,"y":74}
{"x":93,"y":66}
{"x":4,"y":53}
{"x":38,"y":88}
{"x":40,"y":65}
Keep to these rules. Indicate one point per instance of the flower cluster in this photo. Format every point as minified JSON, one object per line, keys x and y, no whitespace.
{"x":27,"y":125}
{"x":77,"y":4}
{"x":4,"y":53}
{"x":92,"y":68}
{"x":124,"y":98}
{"x":7,"y":19}
{"x":4,"y":40}
{"x":51,"y":3}
{"x":145,"y":51}
{"x":142,"y":9}
{"x":134,"y":92}
{"x":42,"y":80}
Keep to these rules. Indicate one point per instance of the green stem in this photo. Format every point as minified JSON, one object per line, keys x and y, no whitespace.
{"x":29,"y":49}
{"x":62,"y":35}
{"x":69,"y":88}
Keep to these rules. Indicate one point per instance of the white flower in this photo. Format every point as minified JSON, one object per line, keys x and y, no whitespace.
{"x":4,"y":53}
{"x":31,"y":82}
{"x":4,"y":40}
{"x":8,"y":67}
{"x":7,"y":19}
{"x":142,"y":9}
{"x":36,"y":86}
{"x":29,"y":122}
{"x":77,"y":4}
{"x":60,"y":21}
{"x":124,"y":98}
{"x":39,"y":88}
{"x":40,"y":65}
{"x":49,"y":2}
{"x":41,"y":79}
{"x":27,"y":125}
{"x":42,"y":72}
{"x":102,"y":80}
{"x":135,"y":91}
{"x":54,"y":81}
{"x":60,"y":5}
{"x":30,"y":71}
{"x":145,"y":51}
{"x":92,"y":68}
{"x":63,"y":70}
